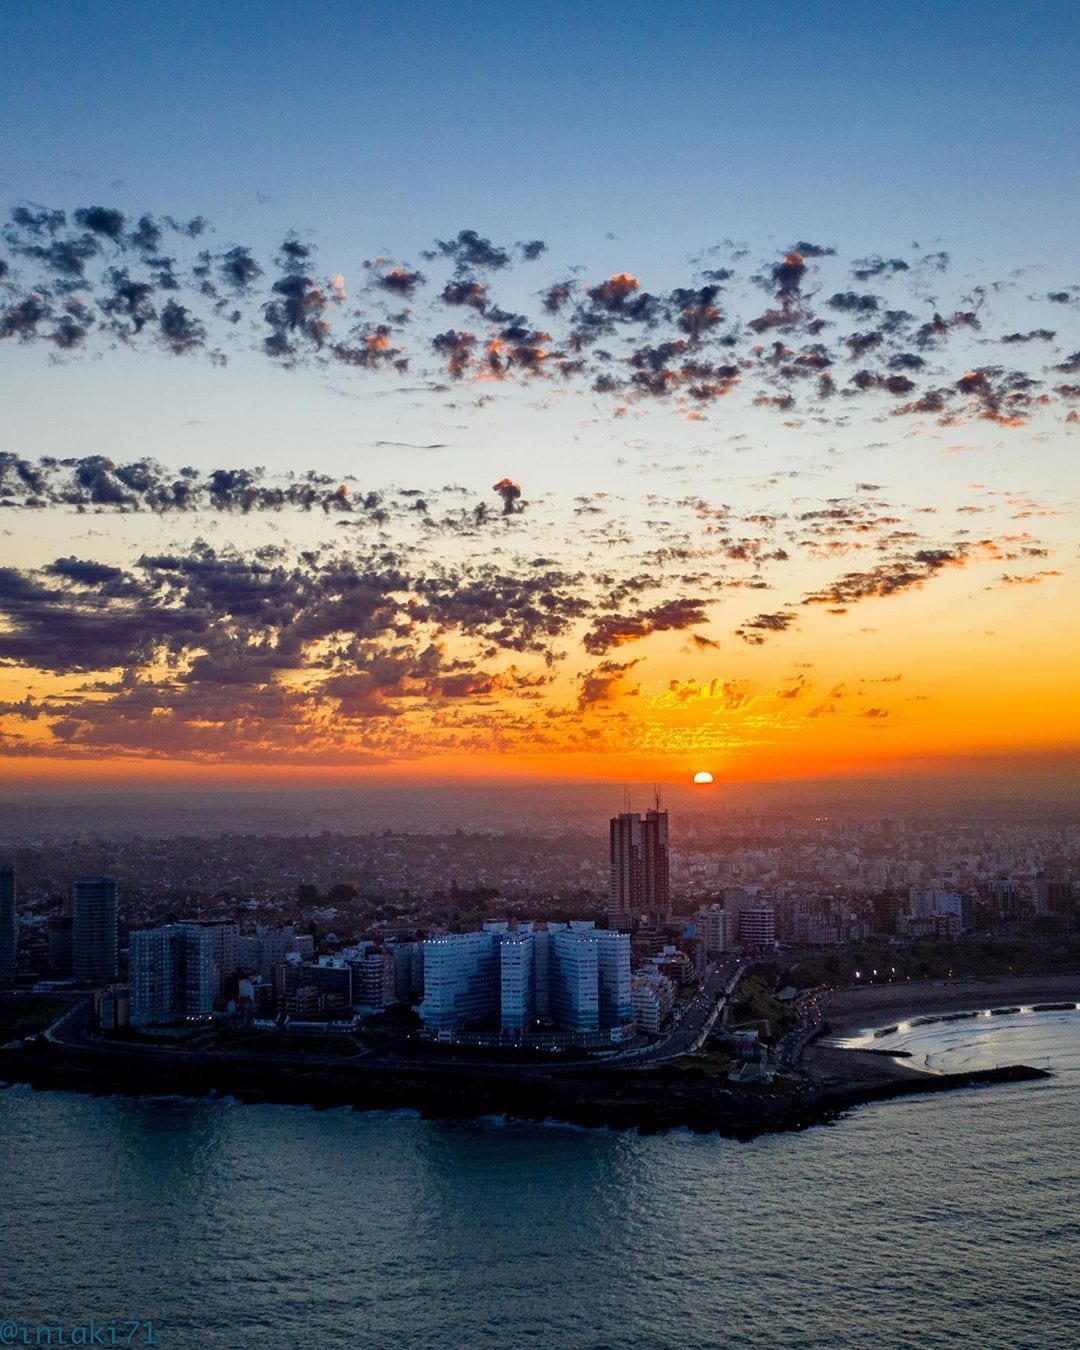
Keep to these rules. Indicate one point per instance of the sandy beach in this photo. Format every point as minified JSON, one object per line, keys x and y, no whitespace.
{"x":850,"y":1011}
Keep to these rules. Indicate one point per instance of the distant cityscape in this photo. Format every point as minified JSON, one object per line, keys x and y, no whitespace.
{"x":589,"y":967}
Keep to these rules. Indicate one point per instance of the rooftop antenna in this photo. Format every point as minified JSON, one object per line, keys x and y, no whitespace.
{"x":626,"y":798}
{"x":656,"y":795}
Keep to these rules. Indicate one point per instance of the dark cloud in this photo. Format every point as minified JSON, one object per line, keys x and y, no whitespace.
{"x":101,"y":220}
{"x":86,"y":280}
{"x":613,"y":630}
{"x":603,"y":684}
{"x":457,"y":348}
{"x":851,"y":303}
{"x":787,"y":276}
{"x":190,"y":229}
{"x":401,"y":281}
{"x":888,"y":578}
{"x":696,"y":311}
{"x":38,"y":220}
{"x":85,"y":571}
{"x":471,"y":250}
{"x":867,"y":268}
{"x":510,"y":492}
{"x":22,"y":318}
{"x":755,"y":630}
{"x":179,"y":330}
{"x":128,"y":303}
{"x":239,"y":269}
{"x":93,"y":482}
{"x":1035,"y":335}
{"x":146,"y":236}
{"x":296,"y":312}
{"x":557,"y":295}
{"x":474,"y":294}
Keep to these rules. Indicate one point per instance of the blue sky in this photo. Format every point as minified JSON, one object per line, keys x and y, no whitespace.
{"x":370,"y":127}
{"x":633,"y":138}
{"x":684,"y":120}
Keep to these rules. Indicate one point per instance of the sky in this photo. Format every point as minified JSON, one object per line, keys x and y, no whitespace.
{"x":612,"y":392}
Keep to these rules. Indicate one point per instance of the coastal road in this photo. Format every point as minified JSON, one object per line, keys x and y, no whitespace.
{"x":688,"y":1034}
{"x":790,"y":1047}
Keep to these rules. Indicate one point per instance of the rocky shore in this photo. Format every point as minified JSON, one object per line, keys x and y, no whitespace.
{"x":660,"y":1098}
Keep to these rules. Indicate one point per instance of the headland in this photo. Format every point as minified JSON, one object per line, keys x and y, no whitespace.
{"x":684,"y":1092}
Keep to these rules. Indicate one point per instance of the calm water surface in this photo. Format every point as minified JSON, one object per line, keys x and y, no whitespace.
{"x":951,"y":1220}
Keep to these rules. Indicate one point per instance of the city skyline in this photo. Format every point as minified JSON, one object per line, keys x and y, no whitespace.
{"x":539,"y":630}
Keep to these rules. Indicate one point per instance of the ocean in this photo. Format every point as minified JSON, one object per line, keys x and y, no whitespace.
{"x":946,"y":1220}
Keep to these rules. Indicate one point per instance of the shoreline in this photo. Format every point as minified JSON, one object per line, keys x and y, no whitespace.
{"x":667,"y":1096}
{"x":854,"y":1011}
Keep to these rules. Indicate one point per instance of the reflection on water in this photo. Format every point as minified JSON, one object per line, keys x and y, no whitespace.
{"x":968,"y":1041}
{"x":941,"y":1221}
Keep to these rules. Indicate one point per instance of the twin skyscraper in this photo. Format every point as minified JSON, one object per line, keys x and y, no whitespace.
{"x":639,"y":882}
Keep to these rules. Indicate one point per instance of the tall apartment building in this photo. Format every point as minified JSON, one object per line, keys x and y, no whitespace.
{"x":627,"y":882}
{"x":653,"y":998}
{"x":932,"y":901}
{"x":334,"y":978}
{"x":714,"y":927}
{"x":93,"y":931}
{"x":616,"y":1002}
{"x":224,"y":936}
{"x":640,"y":869}
{"x":461,"y":985}
{"x":757,"y":927}
{"x":654,"y":845}
{"x":60,"y":947}
{"x":575,"y":979}
{"x":171,"y":973}
{"x":374,"y":983}
{"x":517,"y":980}
{"x":508,"y":977}
{"x":408,"y":969}
{"x":9,"y":928}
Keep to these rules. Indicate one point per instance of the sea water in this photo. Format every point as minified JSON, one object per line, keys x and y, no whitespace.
{"x":945,"y":1220}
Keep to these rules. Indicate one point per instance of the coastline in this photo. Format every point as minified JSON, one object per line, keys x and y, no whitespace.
{"x":672,"y":1095}
{"x":854,"y":1011}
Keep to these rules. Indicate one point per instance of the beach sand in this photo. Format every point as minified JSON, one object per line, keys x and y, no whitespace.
{"x":851,"y":1011}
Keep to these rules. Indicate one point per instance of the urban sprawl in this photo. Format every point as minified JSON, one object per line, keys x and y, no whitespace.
{"x":587,"y":972}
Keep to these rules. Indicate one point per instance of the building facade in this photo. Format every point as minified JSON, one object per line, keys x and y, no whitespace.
{"x":639,"y":879}
{"x":757,"y":927}
{"x":575,"y":978}
{"x":9,"y":929}
{"x":517,"y":980}
{"x":93,"y":929}
{"x":616,"y":1004}
{"x":461,"y":986}
{"x":171,"y":974}
{"x":714,"y":927}
{"x":224,"y":937}
{"x":513,"y":980}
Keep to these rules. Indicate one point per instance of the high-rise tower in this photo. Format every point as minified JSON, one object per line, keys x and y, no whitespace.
{"x":627,"y":879}
{"x":655,"y":859}
{"x":93,"y":936}
{"x":639,"y":864}
{"x":8,"y":924}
